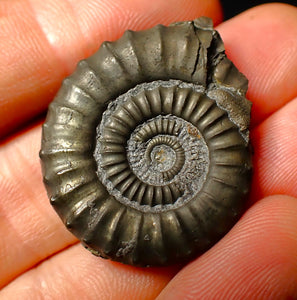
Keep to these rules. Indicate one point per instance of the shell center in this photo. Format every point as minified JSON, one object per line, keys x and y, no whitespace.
{"x":162,"y":158}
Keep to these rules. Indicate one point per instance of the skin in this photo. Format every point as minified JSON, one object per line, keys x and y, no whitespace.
{"x":40,"y":259}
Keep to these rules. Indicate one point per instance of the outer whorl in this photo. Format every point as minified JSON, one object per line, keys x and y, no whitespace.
{"x":145,"y":148}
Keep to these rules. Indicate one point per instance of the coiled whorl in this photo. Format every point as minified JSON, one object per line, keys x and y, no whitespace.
{"x":145,"y":149}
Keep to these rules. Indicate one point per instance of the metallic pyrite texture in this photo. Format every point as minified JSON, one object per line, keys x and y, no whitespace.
{"x":145,"y":149}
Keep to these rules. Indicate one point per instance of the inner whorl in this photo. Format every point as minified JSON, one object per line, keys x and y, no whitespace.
{"x":149,"y":156}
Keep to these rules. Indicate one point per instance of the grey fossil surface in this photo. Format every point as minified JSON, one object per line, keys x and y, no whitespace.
{"x":145,"y":149}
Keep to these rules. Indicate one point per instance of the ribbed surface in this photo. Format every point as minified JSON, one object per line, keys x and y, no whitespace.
{"x":145,"y":149}
{"x":149,"y":164}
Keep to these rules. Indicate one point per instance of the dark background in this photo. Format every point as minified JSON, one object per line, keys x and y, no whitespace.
{"x":234,"y":7}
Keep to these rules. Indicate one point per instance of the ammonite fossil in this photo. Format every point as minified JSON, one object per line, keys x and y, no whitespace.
{"x":145,"y":149}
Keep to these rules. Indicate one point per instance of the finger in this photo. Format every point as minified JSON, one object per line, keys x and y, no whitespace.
{"x":57,"y":34}
{"x":256,"y":260}
{"x":39,"y":47}
{"x":75,"y":274}
{"x":262,"y":43}
{"x":275,"y":155}
{"x":29,"y":229}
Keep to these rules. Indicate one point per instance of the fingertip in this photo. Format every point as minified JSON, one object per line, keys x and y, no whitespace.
{"x":256,"y":260}
{"x":275,"y":156}
{"x":77,"y":274}
{"x":44,"y":43}
{"x":262,"y":43}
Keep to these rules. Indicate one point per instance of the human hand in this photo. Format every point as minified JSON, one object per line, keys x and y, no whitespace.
{"x":41,"y":43}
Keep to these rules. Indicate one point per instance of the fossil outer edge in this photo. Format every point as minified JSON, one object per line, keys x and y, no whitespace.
{"x":145,"y":149}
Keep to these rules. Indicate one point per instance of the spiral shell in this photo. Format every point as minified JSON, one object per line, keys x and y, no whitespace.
{"x":145,"y":149}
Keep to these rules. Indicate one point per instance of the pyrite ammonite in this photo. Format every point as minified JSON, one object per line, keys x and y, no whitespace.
{"x":145,"y":148}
